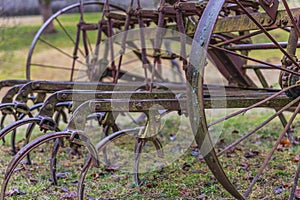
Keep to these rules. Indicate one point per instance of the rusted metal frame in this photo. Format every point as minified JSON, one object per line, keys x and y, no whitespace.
{"x":271,"y":152}
{"x":260,"y":26}
{"x":195,"y":73}
{"x":51,"y":87}
{"x":110,"y":34}
{"x":129,"y":14}
{"x":84,"y":141}
{"x":245,"y":136}
{"x":264,"y":67}
{"x":81,"y":96}
{"x":231,"y":68}
{"x":261,"y":46}
{"x":180,"y":24}
{"x":255,"y":60}
{"x":270,"y":7}
{"x":239,"y":38}
{"x":243,"y":23}
{"x":145,"y":62}
{"x":253,"y":105}
{"x":10,"y":83}
{"x":9,"y":95}
{"x":158,"y":41}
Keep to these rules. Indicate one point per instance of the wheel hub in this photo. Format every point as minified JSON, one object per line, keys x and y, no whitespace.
{"x":287,"y":79}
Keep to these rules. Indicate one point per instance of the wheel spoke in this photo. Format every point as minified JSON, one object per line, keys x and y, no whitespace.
{"x":56,"y":67}
{"x":288,"y":10}
{"x":271,"y":152}
{"x":252,"y":106}
{"x":255,"y":60}
{"x":61,"y":51}
{"x":266,"y":32}
{"x":68,"y":35}
{"x":259,"y":127}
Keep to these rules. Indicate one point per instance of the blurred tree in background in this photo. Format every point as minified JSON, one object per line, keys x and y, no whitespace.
{"x":46,"y":12}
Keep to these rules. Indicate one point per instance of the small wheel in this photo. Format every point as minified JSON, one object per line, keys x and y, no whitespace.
{"x":270,"y":49}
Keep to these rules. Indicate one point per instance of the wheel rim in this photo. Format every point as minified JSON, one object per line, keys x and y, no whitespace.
{"x":206,"y":38}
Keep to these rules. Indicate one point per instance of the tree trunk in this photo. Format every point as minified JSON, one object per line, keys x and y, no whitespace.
{"x":46,"y":12}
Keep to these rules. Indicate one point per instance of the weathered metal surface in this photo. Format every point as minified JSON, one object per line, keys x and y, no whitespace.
{"x":243,"y":23}
{"x":231,"y":25}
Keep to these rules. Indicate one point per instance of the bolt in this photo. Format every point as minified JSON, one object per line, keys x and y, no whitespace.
{"x":97,"y":107}
{"x":64,"y":96}
{"x":139,"y":105}
{"x":36,"y":85}
{"x":285,"y":21}
{"x":268,"y":2}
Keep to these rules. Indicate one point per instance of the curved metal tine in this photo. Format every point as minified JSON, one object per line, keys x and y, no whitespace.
{"x":81,"y":185}
{"x":53,"y":160}
{"x":158,"y":146}
{"x":123,"y":43}
{"x":271,"y":152}
{"x":30,"y":129}
{"x":11,"y":127}
{"x":2,"y":125}
{"x":10,"y":83}
{"x":99,"y":146}
{"x":140,"y":143}
{"x":8,"y":97}
{"x":36,"y":143}
{"x":13,"y":138}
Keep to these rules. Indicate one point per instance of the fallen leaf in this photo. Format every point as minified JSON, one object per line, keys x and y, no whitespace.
{"x":285,"y":142}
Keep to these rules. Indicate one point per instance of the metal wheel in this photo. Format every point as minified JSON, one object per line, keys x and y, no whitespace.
{"x":32,"y":147}
{"x":261,"y":38}
{"x":72,"y":54}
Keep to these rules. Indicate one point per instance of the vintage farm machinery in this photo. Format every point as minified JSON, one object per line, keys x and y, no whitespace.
{"x":153,"y":61}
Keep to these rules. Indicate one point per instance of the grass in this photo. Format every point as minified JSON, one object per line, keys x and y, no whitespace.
{"x":187,"y":177}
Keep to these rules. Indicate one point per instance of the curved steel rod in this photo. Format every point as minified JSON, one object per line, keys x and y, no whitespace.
{"x":196,"y":110}
{"x":36,"y":143}
{"x":99,"y":146}
{"x":17,"y":124}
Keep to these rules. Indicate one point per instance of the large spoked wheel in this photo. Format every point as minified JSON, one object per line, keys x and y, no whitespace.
{"x":78,"y":33}
{"x":265,"y":42}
